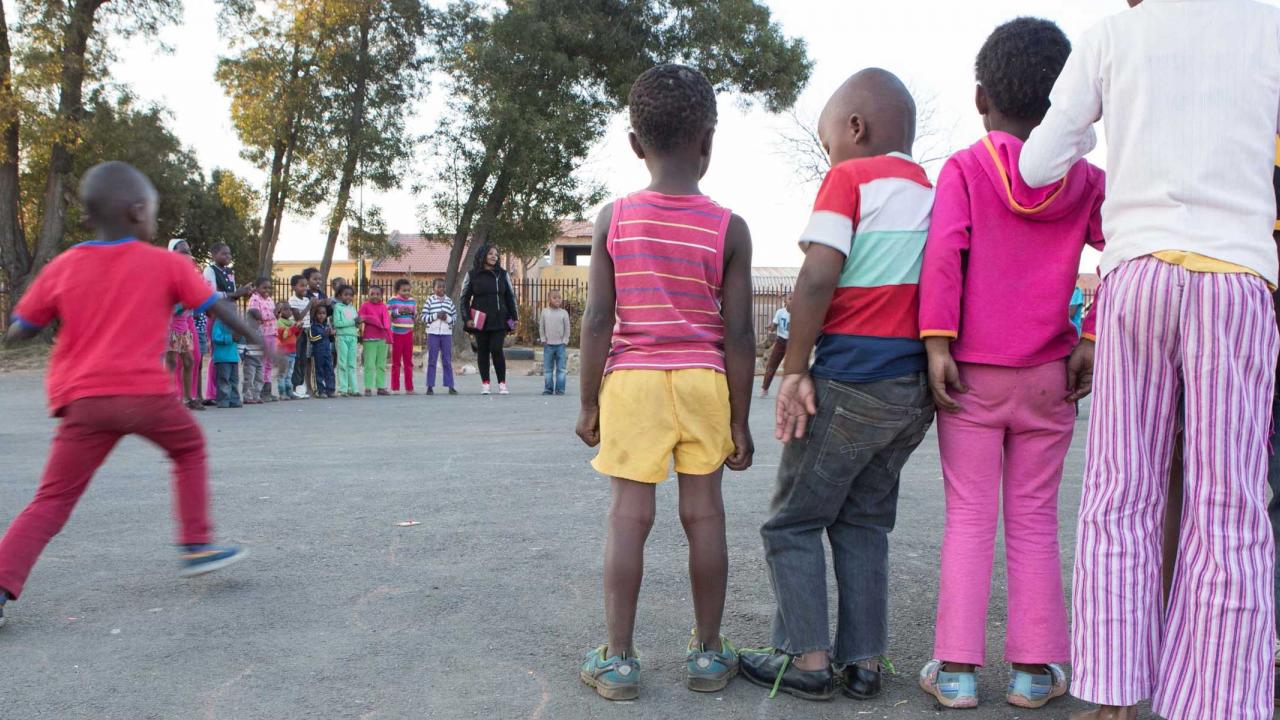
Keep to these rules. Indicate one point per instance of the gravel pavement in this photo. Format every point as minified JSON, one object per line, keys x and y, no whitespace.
{"x":481,"y":610}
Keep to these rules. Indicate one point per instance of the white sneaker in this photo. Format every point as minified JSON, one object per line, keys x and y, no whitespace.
{"x":484,"y":388}
{"x":300,"y":392}
{"x":502,"y":389}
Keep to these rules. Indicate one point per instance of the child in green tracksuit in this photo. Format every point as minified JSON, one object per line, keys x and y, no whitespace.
{"x":346,"y":323}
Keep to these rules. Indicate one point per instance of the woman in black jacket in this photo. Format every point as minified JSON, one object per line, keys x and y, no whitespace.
{"x":488,"y":289}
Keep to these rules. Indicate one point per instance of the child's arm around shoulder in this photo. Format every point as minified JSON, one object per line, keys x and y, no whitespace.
{"x":597,"y":327}
{"x":739,"y":339}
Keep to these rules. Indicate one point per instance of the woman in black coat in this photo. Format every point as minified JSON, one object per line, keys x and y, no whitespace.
{"x":488,"y":289}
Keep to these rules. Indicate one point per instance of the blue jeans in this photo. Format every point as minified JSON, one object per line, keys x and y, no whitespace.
{"x":554,"y":367}
{"x":228,"y":382}
{"x":841,"y":481}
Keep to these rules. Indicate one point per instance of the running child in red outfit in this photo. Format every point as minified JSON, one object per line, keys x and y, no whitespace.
{"x":107,"y":377}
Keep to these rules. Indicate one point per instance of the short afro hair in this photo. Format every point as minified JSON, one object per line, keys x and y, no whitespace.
{"x":671,"y":106}
{"x":1018,"y":65}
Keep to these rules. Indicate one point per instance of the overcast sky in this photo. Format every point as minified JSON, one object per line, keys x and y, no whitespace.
{"x":931,"y":44}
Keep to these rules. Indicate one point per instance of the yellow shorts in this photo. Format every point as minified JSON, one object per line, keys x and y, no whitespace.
{"x":649,"y":416}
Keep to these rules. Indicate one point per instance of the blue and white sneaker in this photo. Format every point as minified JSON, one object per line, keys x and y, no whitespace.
{"x":1035,"y":691}
{"x":709,"y":670}
{"x":615,"y":678}
{"x":201,"y":559}
{"x":952,"y":690}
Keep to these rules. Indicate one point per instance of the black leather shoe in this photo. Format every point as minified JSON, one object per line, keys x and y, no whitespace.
{"x":763,"y":668}
{"x":859,"y":683}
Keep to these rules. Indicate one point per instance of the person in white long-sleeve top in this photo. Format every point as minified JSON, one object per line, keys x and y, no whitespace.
{"x":1190,"y":94}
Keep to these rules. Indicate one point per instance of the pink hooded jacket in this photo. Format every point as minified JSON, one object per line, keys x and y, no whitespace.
{"x":1002,"y":258}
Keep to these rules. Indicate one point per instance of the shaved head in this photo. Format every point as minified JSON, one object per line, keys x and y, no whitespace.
{"x":120,"y":201}
{"x":871,"y":113}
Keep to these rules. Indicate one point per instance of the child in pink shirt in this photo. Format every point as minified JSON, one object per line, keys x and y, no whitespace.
{"x":375,"y":319}
{"x":261,"y":301}
{"x":1000,"y":264}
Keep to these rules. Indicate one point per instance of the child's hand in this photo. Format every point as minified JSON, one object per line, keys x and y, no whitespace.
{"x":797,"y":402}
{"x":589,"y":426}
{"x":944,"y":374}
{"x":744,"y":448}
{"x":1080,"y":372}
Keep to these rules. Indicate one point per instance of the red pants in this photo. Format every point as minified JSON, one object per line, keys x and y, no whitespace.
{"x":89,"y":430}
{"x":402,"y":356}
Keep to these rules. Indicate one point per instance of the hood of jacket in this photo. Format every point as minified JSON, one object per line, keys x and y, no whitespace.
{"x":997,"y":153}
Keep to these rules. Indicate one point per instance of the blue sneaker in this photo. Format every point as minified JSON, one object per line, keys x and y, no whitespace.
{"x":4,"y":598}
{"x":952,"y":690}
{"x":709,"y":670}
{"x":615,"y":678}
{"x":201,"y":559}
{"x":1035,"y":691}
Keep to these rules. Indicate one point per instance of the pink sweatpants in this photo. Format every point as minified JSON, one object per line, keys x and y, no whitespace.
{"x":1010,"y":439}
{"x":1211,"y":337}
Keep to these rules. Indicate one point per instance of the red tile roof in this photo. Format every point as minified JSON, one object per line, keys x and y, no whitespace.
{"x":424,"y":255}
{"x":575,"y":229}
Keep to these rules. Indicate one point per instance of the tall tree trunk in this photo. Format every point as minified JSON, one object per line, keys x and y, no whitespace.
{"x":15,"y":256}
{"x":281,"y":156}
{"x":355,"y":126}
{"x":278,"y":151}
{"x":463,"y":228}
{"x":282,"y":200}
{"x":75,"y":41}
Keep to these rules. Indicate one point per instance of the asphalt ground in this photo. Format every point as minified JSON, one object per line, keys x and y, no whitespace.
{"x":482,"y":610}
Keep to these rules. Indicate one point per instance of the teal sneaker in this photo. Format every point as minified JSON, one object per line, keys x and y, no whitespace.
{"x":952,"y":690}
{"x":615,"y":678}
{"x":1035,"y":691}
{"x":708,"y":670}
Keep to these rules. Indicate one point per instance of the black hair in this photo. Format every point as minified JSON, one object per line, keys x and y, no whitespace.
{"x":306,"y":274}
{"x":1018,"y":65}
{"x":317,"y":309}
{"x":671,"y":106}
{"x":439,"y":281}
{"x":296,"y":279}
{"x":343,"y":288}
{"x":483,"y":253}
{"x":218,"y":247}
{"x":376,"y":287}
{"x":401,"y":283}
{"x":261,"y":279}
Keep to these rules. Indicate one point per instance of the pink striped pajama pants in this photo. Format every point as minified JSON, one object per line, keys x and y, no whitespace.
{"x":1165,"y":331}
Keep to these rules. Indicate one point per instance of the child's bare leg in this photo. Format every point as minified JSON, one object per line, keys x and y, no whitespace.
{"x":630,"y":520}
{"x":188,"y":360}
{"x":702,"y":514}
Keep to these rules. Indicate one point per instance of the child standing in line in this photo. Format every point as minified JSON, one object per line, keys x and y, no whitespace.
{"x":226,"y":362}
{"x":105,"y":378}
{"x":320,"y":338}
{"x":554,"y":331}
{"x":301,"y":303}
{"x":781,"y":328}
{"x":668,"y":352}
{"x":346,"y":333}
{"x":287,"y":332}
{"x":251,"y":365}
{"x":1190,"y":93}
{"x":852,"y":419}
{"x":439,"y":314}
{"x":375,"y":329}
{"x":403,"y":311}
{"x":266,"y":307}
{"x":1000,"y":266}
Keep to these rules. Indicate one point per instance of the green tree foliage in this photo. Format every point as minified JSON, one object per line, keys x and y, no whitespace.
{"x":320,"y":90}
{"x":534,"y":83}
{"x":222,"y":209}
{"x":57,"y":48}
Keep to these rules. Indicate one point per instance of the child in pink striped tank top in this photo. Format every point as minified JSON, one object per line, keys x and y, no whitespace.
{"x":668,"y":357}
{"x":668,"y":259}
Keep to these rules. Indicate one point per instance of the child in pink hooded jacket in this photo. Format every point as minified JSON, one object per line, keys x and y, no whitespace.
{"x":1000,"y":265}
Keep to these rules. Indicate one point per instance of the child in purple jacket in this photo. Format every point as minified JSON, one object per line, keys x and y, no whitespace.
{"x":1000,"y":265}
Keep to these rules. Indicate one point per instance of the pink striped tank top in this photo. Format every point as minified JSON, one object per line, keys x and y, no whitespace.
{"x":668,"y":259}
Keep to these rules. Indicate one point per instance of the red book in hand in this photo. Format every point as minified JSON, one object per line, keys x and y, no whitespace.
{"x":477,"y":319}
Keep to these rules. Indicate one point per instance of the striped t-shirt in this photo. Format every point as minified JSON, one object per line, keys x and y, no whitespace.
{"x":668,"y":258}
{"x":875,"y":211}
{"x":403,"y":313}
